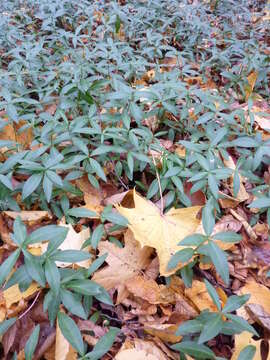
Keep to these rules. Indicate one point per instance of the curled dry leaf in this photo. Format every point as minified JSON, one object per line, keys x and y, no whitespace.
{"x":160,"y":231}
{"x":259,"y":315}
{"x":123,"y":264}
{"x":29,"y":217}
{"x":259,"y":295}
{"x":165,"y":332}
{"x":242,"y":194}
{"x":245,"y":224}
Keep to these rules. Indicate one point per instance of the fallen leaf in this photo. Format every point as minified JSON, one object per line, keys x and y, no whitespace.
{"x":150,"y":291}
{"x":162,"y":232}
{"x":123,"y":264}
{"x":13,"y":294}
{"x":259,"y":295}
{"x":259,"y":315}
{"x":92,"y":196}
{"x":165,"y":332}
{"x":12,"y":132}
{"x":199,"y":296}
{"x":196,"y":198}
{"x":252,"y":77}
{"x":135,"y":354}
{"x":242,"y":194}
{"x":30,"y":217}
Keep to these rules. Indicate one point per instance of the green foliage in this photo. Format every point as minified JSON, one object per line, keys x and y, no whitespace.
{"x":69,"y":78}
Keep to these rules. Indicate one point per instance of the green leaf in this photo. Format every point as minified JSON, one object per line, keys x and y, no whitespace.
{"x":193,"y":349}
{"x":212,"y":292}
{"x":52,"y":276}
{"x":7,"y":265}
{"x":97,"y":235}
{"x":103,"y":345}
{"x":263,"y":202}
{"x":84,"y":287}
{"x":31,"y":184}
{"x":208,"y":219}
{"x":6,"y":324}
{"x":193,"y":240}
{"x":82,"y":212}
{"x":72,"y":303}
{"x":241,"y":323}
{"x":219,"y":259}
{"x":234,"y":302}
{"x":211,"y":329}
{"x":48,"y":233}
{"x":96,"y":264}
{"x":115,"y":218}
{"x":19,"y":230}
{"x":31,"y":344}
{"x":181,"y":256}
{"x":228,"y":236}
{"x":247,"y":353}
{"x":71,"y":332}
{"x":189,"y":327}
{"x":34,"y":267}
{"x":70,"y":256}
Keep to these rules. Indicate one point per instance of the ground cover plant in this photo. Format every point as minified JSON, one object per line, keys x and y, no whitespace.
{"x":134,"y":179}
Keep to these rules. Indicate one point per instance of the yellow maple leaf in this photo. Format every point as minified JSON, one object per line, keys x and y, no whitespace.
{"x":123,"y":264}
{"x":160,"y":231}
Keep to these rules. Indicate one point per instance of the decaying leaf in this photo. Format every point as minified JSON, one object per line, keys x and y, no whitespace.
{"x":160,"y":231}
{"x":13,"y":294}
{"x":12,"y":132}
{"x":92,"y":196}
{"x":252,"y":77}
{"x":123,"y":264}
{"x":165,"y":332}
{"x":259,"y":315}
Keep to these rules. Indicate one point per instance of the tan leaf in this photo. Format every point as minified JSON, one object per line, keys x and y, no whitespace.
{"x":259,"y":315}
{"x":30,"y":217}
{"x":92,"y":196}
{"x":135,"y":354}
{"x":259,"y":295}
{"x":244,"y":339}
{"x":162,"y":232}
{"x":13,"y":294}
{"x":63,"y":350}
{"x":165,"y":332}
{"x":123,"y":264}
{"x":252,"y":77}
{"x":150,"y":291}
{"x":12,"y":132}
{"x":242,"y":194}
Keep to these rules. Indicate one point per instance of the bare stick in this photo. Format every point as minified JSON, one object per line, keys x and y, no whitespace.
{"x":30,"y":307}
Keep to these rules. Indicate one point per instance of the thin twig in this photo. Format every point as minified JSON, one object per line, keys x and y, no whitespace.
{"x":30,"y":307}
{"x":159,"y":186}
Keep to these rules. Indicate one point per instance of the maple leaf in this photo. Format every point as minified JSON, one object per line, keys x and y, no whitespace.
{"x":123,"y":264}
{"x":162,"y":232}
